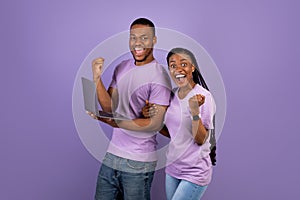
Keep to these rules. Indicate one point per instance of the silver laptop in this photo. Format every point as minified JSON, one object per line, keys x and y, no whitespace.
{"x":90,"y":101}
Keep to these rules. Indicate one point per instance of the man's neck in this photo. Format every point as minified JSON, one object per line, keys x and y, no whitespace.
{"x":144,"y":62}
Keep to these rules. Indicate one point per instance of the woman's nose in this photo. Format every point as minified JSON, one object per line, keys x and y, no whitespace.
{"x":179,"y":68}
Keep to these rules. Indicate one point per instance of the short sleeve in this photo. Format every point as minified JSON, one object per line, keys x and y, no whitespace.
{"x":160,"y":94}
{"x":161,"y":88}
{"x":207,"y":111}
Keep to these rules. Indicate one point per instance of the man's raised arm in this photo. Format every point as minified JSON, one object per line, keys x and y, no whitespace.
{"x":104,"y":96}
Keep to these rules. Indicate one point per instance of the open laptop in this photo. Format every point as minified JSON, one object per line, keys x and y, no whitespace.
{"x":90,"y":101}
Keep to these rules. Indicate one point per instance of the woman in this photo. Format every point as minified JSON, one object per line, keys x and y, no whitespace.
{"x":188,"y":122}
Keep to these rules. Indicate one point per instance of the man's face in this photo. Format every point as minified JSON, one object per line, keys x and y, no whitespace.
{"x":141,"y":43}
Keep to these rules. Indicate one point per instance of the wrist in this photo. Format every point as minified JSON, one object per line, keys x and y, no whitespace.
{"x":195,"y":117}
{"x":96,"y":80}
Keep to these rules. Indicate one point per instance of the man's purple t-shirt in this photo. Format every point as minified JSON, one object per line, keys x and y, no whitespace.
{"x":186,"y":159}
{"x":135,"y":85}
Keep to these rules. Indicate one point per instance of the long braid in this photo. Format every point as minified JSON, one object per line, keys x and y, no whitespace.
{"x":198,"y":79}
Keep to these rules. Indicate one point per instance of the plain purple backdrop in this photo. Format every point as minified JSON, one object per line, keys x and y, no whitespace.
{"x":255,"y":45}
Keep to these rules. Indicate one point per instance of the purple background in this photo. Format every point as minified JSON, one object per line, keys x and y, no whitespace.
{"x":254,"y":44}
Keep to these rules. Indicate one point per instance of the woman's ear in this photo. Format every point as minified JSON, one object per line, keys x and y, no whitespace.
{"x":193,"y":68}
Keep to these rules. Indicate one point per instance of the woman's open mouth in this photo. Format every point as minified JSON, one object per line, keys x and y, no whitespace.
{"x":180,"y":77}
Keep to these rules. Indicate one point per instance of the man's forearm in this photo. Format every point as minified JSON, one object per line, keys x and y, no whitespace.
{"x":154,"y":123}
{"x":141,"y":124}
{"x":104,"y":97}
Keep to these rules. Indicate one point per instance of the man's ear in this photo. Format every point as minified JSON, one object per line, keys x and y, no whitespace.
{"x":154,"y":40}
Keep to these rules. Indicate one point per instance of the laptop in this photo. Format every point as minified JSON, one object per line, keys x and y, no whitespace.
{"x":90,"y":101}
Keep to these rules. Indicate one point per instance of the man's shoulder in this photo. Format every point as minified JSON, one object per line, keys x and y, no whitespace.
{"x":157,"y":64}
{"x":123,"y":65}
{"x":126,"y":62}
{"x":157,"y":68}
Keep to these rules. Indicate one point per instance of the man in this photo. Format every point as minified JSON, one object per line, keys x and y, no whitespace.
{"x":128,"y":167}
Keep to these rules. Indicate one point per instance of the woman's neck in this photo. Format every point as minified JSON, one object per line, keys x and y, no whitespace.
{"x":183,"y":91}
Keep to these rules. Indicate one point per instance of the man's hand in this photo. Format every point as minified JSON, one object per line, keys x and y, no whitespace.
{"x":108,"y":121}
{"x":195,"y":102}
{"x":97,"y":68}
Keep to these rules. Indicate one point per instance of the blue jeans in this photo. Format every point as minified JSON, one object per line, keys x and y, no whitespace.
{"x":124,"y":179}
{"x":178,"y":189}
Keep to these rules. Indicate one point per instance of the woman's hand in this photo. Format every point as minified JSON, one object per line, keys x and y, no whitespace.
{"x":149,"y":110}
{"x":195,"y":102}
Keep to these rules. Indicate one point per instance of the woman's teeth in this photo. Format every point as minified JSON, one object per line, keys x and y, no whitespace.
{"x":180,"y":76}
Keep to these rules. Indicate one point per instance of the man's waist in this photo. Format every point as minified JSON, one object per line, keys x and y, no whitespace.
{"x":128,"y":165}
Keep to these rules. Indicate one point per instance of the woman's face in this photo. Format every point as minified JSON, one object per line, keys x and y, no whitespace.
{"x":181,"y":69}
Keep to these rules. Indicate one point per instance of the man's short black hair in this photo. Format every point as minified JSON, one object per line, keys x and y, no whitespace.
{"x":143,"y":21}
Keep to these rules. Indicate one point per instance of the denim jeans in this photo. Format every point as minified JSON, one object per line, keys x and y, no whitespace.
{"x":178,"y":189}
{"x":124,"y":179}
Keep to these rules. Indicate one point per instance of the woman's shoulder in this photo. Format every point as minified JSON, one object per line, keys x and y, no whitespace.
{"x":202,"y":90}
{"x":208,"y":95}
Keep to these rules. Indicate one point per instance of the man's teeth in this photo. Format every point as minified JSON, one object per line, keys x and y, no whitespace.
{"x":180,"y":76}
{"x":138,"y":50}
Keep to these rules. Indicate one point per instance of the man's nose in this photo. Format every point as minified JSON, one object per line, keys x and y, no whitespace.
{"x":138,"y":41}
